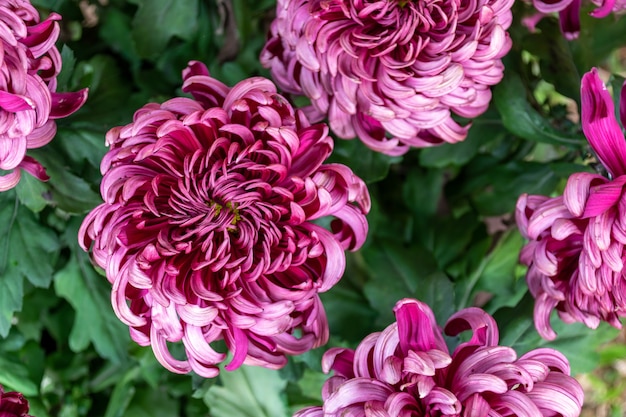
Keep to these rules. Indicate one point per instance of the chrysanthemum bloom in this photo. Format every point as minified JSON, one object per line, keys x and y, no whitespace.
{"x":29,"y":103}
{"x":576,"y":250}
{"x":569,"y":13}
{"x":406,"y":370}
{"x":390,"y":72}
{"x":12,"y":404}
{"x":208,"y":224}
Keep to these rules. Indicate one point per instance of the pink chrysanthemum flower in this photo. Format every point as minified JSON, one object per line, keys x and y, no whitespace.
{"x":406,"y":370}
{"x":29,"y":65}
{"x":13,"y":404}
{"x":208,"y":227}
{"x":569,"y":13}
{"x":576,"y":250}
{"x":390,"y":72}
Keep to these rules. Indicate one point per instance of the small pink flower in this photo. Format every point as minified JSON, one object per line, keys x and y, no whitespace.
{"x":576,"y":254}
{"x":12,"y":404}
{"x":29,"y":103}
{"x":569,"y":13}
{"x":208,"y":226}
{"x":406,"y":370}
{"x":390,"y":72}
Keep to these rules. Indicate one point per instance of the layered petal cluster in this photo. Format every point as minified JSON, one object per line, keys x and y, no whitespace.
{"x":407,"y":370}
{"x":569,"y":13}
{"x":390,"y":72}
{"x":29,"y":103}
{"x":575,"y":254}
{"x":208,"y":228}
{"x":13,"y":404}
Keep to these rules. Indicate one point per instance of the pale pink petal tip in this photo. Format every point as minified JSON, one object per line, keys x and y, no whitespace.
{"x":207,"y":232}
{"x":403,"y":370}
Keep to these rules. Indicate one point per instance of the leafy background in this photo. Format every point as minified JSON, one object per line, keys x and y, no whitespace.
{"x":441,"y":227}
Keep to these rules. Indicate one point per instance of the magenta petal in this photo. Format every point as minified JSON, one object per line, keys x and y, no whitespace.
{"x":195,"y":68}
{"x":476,"y":406}
{"x":600,"y":126}
{"x":576,"y":191}
{"x":239,"y":343}
{"x":358,"y":390}
{"x":558,"y":394}
{"x":310,"y":412}
{"x":13,"y":404}
{"x":517,"y":404}
{"x":64,"y":104}
{"x":10,"y":180}
{"x":339,"y":360}
{"x":604,"y":9}
{"x":417,"y":327}
{"x":474,"y":319}
{"x":34,"y":168}
{"x":13,"y":102}
{"x":569,"y":20}
{"x":604,"y":196}
{"x":543,"y":308}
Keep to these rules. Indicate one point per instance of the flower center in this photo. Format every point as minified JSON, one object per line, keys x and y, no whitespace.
{"x":230,"y":208}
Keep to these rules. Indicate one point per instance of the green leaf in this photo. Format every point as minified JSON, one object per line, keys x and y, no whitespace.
{"x":556,"y":60}
{"x":11,"y":293}
{"x":82,"y":142}
{"x":576,"y":341}
{"x":110,"y":98}
{"x":422,"y":191}
{"x":521,"y":119}
{"x":29,"y":247}
{"x":248,"y":392}
{"x":95,"y":321}
{"x":307,"y":391}
{"x":14,"y":376}
{"x":157,"y":21}
{"x":597,"y":39}
{"x":496,"y":275}
{"x":495,"y":190}
{"x":115,"y":30}
{"x":484,"y":129}
{"x":371,"y":166}
{"x":344,"y":306}
{"x":31,"y":192}
{"x":27,"y":250}
{"x":405,"y":272}
{"x":69,"y":62}
{"x":122,"y":395}
{"x":69,"y":192}
{"x":153,"y":403}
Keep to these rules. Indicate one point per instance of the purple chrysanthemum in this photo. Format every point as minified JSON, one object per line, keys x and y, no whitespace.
{"x":576,"y":250}
{"x":29,"y":103}
{"x":390,"y":72}
{"x":13,"y":404}
{"x":208,"y":227}
{"x":406,"y":370}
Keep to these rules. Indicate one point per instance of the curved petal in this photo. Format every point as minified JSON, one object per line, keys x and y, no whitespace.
{"x":357,"y":390}
{"x":600,"y":126}
{"x":417,"y":327}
